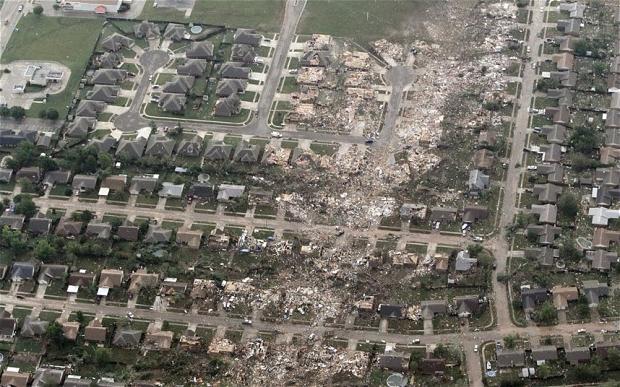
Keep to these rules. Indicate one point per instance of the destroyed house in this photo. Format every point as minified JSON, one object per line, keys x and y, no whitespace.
{"x":483,"y":159}
{"x":315,"y":59}
{"x":171,"y":190}
{"x":81,"y":278}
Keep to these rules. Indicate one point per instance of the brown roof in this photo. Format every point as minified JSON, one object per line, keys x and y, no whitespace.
{"x":70,"y":329}
{"x":95,"y":331}
{"x":16,"y":379}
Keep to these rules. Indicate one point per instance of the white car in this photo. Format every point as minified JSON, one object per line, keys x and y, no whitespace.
{"x":20,"y":8}
{"x":476,"y":348}
{"x":276,"y":134}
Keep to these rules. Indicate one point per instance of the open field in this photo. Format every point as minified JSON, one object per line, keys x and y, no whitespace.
{"x":263,"y":15}
{"x":364,"y":20}
{"x":65,"y":40}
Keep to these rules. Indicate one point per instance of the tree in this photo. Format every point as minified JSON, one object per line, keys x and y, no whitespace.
{"x":546,"y":313}
{"x":23,"y":156}
{"x":5,"y":111}
{"x":613,"y":359}
{"x":37,"y":10}
{"x":585,"y":140}
{"x":510,"y":341}
{"x":599,"y":68}
{"x":18,"y":112}
{"x":568,"y":206}
{"x":84,"y":216}
{"x":102,"y":356}
{"x":569,"y":251}
{"x":55,"y":334}
{"x":589,"y":372}
{"x":47,"y":163}
{"x":474,"y":250}
{"x":43,"y":250}
{"x":26,"y":207}
{"x":52,"y":114}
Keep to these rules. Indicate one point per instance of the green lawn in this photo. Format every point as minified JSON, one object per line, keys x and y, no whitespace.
{"x":263,"y":15}
{"x":66,"y":40}
{"x":363,"y":20}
